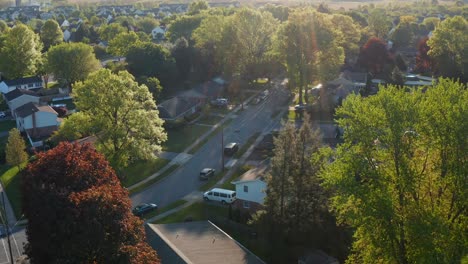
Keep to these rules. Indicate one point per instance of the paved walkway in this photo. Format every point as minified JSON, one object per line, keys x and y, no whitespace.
{"x":8,"y":208}
{"x":194,"y":144}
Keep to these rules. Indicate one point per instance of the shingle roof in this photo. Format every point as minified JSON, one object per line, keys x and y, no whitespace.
{"x":198,"y":243}
{"x":25,"y":80}
{"x":17,"y":93}
{"x":253,"y":174}
{"x":30,"y":108}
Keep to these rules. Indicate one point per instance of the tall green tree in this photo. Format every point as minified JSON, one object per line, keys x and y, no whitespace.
{"x":122,"y":114}
{"x":51,"y":34}
{"x":108,"y":32}
{"x":401,"y":175}
{"x":183,"y":26}
{"x":449,"y":48}
{"x":147,"y":24}
{"x":308,"y":46}
{"x":71,"y":62}
{"x":20,"y":53}
{"x":121,"y":44}
{"x":197,"y":6}
{"x":3,"y":27}
{"x":350,"y":34}
{"x":182,"y":54}
{"x":15,"y":150}
{"x":379,"y":23}
{"x":78,"y":212}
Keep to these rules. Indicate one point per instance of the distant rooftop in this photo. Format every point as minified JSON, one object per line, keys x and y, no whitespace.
{"x":25,"y":80}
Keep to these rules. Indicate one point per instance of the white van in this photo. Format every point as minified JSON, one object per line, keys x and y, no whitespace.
{"x":222,"y":195}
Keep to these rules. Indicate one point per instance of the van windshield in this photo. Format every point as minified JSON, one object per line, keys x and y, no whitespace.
{"x":233,"y":194}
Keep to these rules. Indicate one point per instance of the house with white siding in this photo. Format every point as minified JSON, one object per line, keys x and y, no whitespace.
{"x":20,"y":97}
{"x":251,"y":190}
{"x":36,"y":121}
{"x":28,"y":83}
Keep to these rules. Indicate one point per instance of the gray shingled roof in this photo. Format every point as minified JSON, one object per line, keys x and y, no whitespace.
{"x":26,"y":110}
{"x":17,"y":93}
{"x":25,"y":80}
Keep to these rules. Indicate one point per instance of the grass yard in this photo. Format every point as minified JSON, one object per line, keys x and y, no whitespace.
{"x":152,"y":181}
{"x":212,"y":181}
{"x":141,"y":170}
{"x":7,"y":125}
{"x":209,"y":120}
{"x":196,"y":212}
{"x":228,"y":185}
{"x":203,"y":142}
{"x":166,"y":208}
{"x":11,"y":182}
{"x":180,"y":138}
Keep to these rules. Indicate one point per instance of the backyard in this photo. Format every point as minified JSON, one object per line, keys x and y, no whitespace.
{"x":181,"y":138}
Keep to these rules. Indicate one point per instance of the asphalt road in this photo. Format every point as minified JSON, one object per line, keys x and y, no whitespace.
{"x":17,"y":240}
{"x":185,"y":180}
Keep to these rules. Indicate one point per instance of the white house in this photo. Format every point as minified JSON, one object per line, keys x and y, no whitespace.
{"x":37,"y":121}
{"x":158,"y":32}
{"x":20,"y":97}
{"x":66,"y":35}
{"x":28,"y":83}
{"x":65,"y":24}
{"x":251,"y":189}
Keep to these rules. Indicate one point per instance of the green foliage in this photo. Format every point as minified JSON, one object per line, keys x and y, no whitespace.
{"x":74,"y":201}
{"x":3,"y":27}
{"x":71,"y":62}
{"x":400,"y":177}
{"x":197,"y":6}
{"x":108,"y":32}
{"x":183,"y":27}
{"x":350,"y":34}
{"x":379,"y":23}
{"x":147,"y":24}
{"x":74,"y":127}
{"x":51,"y":34}
{"x":20,"y":52}
{"x":121,"y":44}
{"x":15,"y":150}
{"x":449,"y":47}
{"x":122,"y":115}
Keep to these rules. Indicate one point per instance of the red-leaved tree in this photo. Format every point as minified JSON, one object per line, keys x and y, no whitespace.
{"x":374,"y":55}
{"x":78,"y":212}
{"x":424,"y":63}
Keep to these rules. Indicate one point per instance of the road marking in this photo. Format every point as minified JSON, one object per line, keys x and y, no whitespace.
{"x":6,"y":252}
{"x":16,"y":244}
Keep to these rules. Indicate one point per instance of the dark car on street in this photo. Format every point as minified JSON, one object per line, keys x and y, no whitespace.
{"x":145,"y":208}
{"x":207,"y":173}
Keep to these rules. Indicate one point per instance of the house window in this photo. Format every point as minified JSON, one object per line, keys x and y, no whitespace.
{"x":31,"y":85}
{"x":246,"y":204}
{"x":246,"y":188}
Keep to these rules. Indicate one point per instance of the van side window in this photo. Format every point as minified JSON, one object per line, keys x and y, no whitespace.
{"x":216,"y":194}
{"x":223,"y":195}
{"x":210,"y":193}
{"x":246,"y":188}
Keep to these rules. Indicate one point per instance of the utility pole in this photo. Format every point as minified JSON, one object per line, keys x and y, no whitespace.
{"x":5,"y":218}
{"x":222,"y":149}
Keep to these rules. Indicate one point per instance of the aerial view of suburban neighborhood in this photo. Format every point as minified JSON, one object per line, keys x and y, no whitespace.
{"x":233,"y":131}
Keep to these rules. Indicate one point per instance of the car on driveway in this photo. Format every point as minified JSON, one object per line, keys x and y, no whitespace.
{"x":300,"y":107}
{"x":144,"y":208}
{"x":2,"y":114}
{"x":220,"y":102}
{"x":207,"y":173}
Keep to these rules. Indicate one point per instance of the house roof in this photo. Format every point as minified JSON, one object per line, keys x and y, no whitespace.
{"x":197,"y":242}
{"x":30,"y":108}
{"x":17,"y":93}
{"x":174,"y":107}
{"x":192,"y":94}
{"x":251,"y":175}
{"x":25,"y":80}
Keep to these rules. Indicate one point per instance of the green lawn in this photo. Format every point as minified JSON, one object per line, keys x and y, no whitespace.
{"x":196,"y":212}
{"x":141,"y":170}
{"x":246,"y":146}
{"x":216,"y":131}
{"x":7,"y":125}
{"x":209,"y":120}
{"x":152,"y":181}
{"x":11,"y":181}
{"x":166,"y":208}
{"x":228,"y":185}
{"x":180,"y":138}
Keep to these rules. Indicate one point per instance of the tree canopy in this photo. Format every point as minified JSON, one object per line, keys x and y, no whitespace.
{"x":78,"y":212}
{"x":122,"y":115}
{"x":401,"y":175}
{"x":20,"y":53}
{"x":71,"y":62}
{"x":121,"y":44}
{"x":15,"y":149}
{"x":51,"y":34}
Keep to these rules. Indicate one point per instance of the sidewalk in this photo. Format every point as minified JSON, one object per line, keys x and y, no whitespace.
{"x":194,"y":144}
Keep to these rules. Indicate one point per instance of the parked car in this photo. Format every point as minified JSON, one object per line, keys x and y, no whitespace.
{"x":2,"y":114}
{"x":231,"y":148}
{"x":221,"y":195}
{"x":264,"y":94}
{"x":300,"y":107}
{"x":220,"y":102}
{"x":144,"y":208}
{"x":207,"y":173}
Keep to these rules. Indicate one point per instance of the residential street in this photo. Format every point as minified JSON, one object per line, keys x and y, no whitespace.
{"x":185,"y":180}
